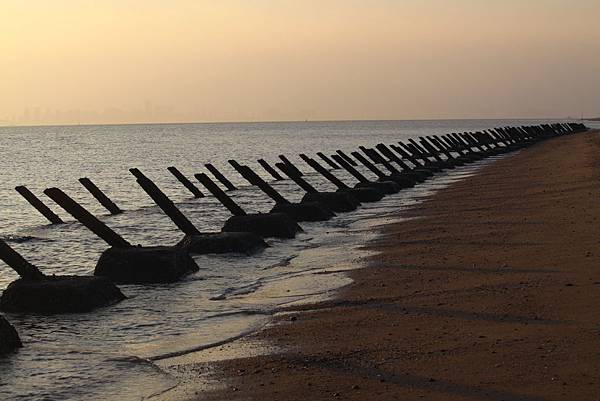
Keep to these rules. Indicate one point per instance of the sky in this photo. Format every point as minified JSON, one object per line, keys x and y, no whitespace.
{"x":130,"y":61}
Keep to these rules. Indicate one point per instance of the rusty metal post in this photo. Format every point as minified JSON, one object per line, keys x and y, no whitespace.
{"x":86,"y":218}
{"x":328,"y":161}
{"x":431,"y":144}
{"x":376,"y":157}
{"x":292,"y":166}
{"x":186,"y":183}
{"x":416,"y":153}
{"x":327,"y":174}
{"x":392,"y":156}
{"x":408,"y":156}
{"x":38,"y":205}
{"x":15,"y":261}
{"x":239,"y":168}
{"x":270,"y":169}
{"x":369,"y":165}
{"x":304,"y":157}
{"x":220,"y":177}
{"x":349,"y":168}
{"x":100,"y":196}
{"x":302,"y":183}
{"x":255,"y":179}
{"x":164,"y":203}
{"x":347,"y":158}
{"x":218,"y":193}
{"x":425,"y":152}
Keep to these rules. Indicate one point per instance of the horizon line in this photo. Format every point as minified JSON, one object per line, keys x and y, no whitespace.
{"x":287,"y":121}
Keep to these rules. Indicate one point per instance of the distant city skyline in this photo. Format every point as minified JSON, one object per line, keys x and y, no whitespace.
{"x":132,"y":61}
{"x":139,"y":116}
{"x":147,"y":113}
{"x":162,"y":115}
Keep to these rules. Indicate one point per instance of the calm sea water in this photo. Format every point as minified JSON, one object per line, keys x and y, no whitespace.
{"x":106,"y":354}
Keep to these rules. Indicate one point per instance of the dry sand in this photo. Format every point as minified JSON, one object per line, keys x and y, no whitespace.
{"x":493,"y":293}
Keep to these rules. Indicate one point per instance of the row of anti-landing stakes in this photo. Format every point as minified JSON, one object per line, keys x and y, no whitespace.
{"x":397,"y":166}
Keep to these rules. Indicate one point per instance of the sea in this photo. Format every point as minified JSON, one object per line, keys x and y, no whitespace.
{"x":115,"y":352}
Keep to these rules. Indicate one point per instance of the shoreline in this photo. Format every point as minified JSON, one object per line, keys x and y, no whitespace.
{"x":487,"y":314}
{"x":221,"y":300}
{"x":366,"y":224}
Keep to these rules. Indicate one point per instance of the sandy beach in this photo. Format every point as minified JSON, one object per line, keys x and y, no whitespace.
{"x":488,"y":290}
{"x":296,"y":200}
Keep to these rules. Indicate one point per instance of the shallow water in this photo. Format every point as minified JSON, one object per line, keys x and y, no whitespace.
{"x":335,"y":253}
{"x":107,"y":354}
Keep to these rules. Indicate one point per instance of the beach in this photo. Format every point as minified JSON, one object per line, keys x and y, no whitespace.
{"x":231,"y":295}
{"x":488,"y":290}
{"x":292,"y":200}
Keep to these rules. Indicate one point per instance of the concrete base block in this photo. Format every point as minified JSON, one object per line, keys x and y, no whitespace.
{"x":384,"y":187}
{"x":425,"y":172}
{"x":277,"y":225}
{"x":336,"y":201}
{"x":304,"y":211}
{"x":223,"y":242}
{"x":59,"y":294}
{"x":400,"y":179}
{"x":144,"y":265}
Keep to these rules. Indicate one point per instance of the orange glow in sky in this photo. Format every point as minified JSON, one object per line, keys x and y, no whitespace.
{"x":117,"y":61}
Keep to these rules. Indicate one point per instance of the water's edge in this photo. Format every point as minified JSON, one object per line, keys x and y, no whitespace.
{"x":191,"y":368}
{"x":109,"y":354}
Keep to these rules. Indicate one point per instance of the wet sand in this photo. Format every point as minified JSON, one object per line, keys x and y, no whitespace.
{"x":489,"y":291}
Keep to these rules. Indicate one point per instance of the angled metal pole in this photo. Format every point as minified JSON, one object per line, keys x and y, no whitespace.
{"x":100,"y":196}
{"x":186,"y":183}
{"x":38,"y":205}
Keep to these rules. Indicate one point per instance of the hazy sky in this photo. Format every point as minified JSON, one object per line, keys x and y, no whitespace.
{"x":70,"y":61}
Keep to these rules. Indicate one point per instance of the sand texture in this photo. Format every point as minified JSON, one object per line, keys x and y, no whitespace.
{"x":492,"y":293}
